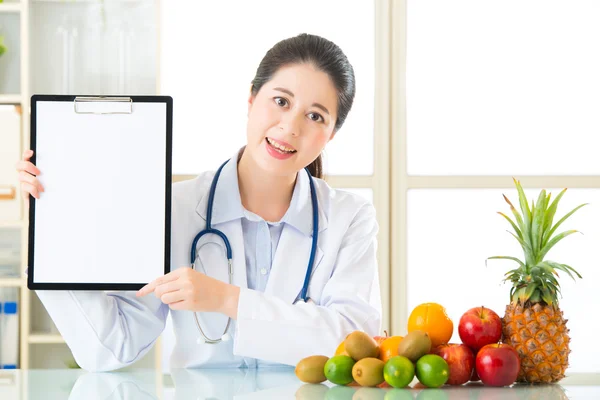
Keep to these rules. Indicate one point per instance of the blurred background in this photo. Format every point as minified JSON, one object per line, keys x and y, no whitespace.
{"x":454,"y":98}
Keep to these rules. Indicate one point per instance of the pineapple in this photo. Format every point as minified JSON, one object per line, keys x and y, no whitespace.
{"x":533,"y":323}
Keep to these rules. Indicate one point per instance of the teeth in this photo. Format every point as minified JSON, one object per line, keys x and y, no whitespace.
{"x":280,"y":147}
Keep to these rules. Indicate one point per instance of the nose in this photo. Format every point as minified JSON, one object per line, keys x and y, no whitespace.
{"x":290,"y":123}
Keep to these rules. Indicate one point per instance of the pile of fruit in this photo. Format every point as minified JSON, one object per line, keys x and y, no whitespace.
{"x":424,"y":352}
{"x":534,"y":334}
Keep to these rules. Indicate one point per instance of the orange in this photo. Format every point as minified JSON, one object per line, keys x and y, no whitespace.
{"x":431,"y":318}
{"x":341,"y":350}
{"x":389,"y":348}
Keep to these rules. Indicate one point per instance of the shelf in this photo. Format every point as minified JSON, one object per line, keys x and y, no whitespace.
{"x":45,"y":338}
{"x":12,"y":224}
{"x":10,"y":7}
{"x":11,"y":282}
{"x":10,"y":99}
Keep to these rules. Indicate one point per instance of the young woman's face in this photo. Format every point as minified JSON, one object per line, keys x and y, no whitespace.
{"x":291,"y":119}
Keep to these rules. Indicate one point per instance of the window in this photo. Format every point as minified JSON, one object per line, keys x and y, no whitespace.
{"x":492,"y":90}
{"x":208,"y":67}
{"x":502,"y":88}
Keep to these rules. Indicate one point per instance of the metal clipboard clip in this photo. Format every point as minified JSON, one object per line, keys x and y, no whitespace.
{"x":103,"y":105}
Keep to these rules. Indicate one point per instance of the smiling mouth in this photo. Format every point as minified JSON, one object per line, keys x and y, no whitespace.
{"x":280,"y":148}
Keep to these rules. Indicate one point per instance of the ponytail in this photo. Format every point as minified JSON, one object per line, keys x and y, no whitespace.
{"x":316,"y":167}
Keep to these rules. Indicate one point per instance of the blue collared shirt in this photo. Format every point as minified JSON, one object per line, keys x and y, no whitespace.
{"x":261,"y":237}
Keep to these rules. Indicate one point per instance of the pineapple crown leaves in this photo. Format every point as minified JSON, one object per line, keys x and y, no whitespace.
{"x":534,"y":280}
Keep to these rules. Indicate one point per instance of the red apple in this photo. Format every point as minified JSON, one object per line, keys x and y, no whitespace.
{"x":497,"y":364}
{"x":460,"y":359}
{"x":478,"y":327}
{"x":380,"y":339}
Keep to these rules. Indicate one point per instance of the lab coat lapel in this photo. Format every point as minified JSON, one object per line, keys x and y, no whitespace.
{"x":290,"y":264}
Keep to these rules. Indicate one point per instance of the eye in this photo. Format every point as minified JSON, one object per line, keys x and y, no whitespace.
{"x":316,"y":117}
{"x":280,"y":101}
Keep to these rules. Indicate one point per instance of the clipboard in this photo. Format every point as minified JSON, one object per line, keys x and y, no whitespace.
{"x":104,"y":220}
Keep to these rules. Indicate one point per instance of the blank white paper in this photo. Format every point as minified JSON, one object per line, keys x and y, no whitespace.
{"x":102,"y":216}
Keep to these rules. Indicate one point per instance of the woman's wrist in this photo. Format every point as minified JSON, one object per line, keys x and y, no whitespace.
{"x":229,"y":300}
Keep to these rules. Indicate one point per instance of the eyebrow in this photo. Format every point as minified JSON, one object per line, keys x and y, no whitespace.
{"x":322,"y":107}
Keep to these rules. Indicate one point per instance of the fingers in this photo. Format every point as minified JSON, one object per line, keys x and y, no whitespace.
{"x":180,"y":305}
{"x":27,"y":166}
{"x":30,"y":184}
{"x":149,"y":288}
{"x":27,"y":176}
{"x":27,"y":188}
{"x":172,"y":297}
{"x":165,"y":288}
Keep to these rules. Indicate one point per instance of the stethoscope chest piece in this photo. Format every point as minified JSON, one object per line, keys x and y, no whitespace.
{"x":225,"y":338}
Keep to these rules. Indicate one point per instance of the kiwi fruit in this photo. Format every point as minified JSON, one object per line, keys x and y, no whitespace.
{"x":414,"y":345}
{"x":360,"y":345}
{"x":311,"y":369}
{"x":368,"y":371}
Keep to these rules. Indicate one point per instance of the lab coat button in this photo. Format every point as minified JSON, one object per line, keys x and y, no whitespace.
{"x":263,"y":271}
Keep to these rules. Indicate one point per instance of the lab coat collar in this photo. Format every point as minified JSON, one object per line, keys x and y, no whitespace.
{"x":300,"y":214}
{"x":228,"y":203}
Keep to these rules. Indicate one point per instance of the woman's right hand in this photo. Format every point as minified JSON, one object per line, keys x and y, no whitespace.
{"x":27,"y":176}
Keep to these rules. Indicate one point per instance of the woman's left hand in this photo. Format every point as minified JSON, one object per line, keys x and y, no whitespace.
{"x":188,"y":289}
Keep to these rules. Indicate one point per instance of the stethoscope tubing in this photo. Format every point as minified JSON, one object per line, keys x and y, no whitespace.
{"x":210,"y":230}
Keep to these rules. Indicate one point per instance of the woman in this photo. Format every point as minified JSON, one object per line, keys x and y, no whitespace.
{"x":302,"y":92}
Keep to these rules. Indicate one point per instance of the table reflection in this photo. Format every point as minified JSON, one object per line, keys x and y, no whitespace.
{"x":253,"y":384}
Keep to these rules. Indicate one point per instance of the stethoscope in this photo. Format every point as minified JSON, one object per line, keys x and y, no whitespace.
{"x":209,"y":229}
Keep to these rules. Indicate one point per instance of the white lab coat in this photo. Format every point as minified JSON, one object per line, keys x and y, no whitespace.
{"x":110,"y":330}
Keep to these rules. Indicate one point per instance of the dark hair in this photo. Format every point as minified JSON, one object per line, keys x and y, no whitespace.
{"x":323,"y":55}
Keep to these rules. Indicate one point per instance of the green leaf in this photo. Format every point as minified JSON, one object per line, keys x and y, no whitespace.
{"x":547,"y":297}
{"x":553,"y":288}
{"x":515,"y":213}
{"x":562,"y":220}
{"x":531,"y":287}
{"x":516,"y":295}
{"x":538,"y":221}
{"x":572,"y":269}
{"x":517,"y":230}
{"x":551,"y":281}
{"x":521,"y":294}
{"x":553,"y":241}
{"x":512,"y":278}
{"x":564,"y":268}
{"x":506,"y":258}
{"x":523,"y":203}
{"x":540,"y":280}
{"x":526,"y":213}
{"x":526,"y":250}
{"x":549,"y":269}
{"x":550,"y":217}
{"x":514,"y":271}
